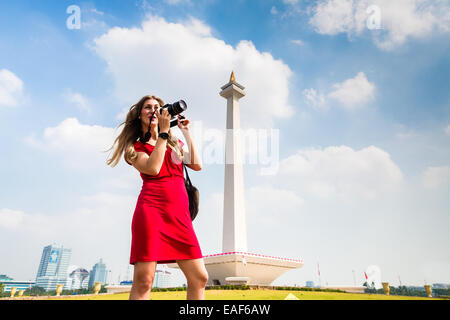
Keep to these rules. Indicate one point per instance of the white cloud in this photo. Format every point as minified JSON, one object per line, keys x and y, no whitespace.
{"x":400,"y":20}
{"x":315,"y":99}
{"x":447,"y":130}
{"x":78,"y":100}
{"x":11,"y":89}
{"x":298,"y":42}
{"x":93,"y":24}
{"x":208,"y":223}
{"x":406,"y":135}
{"x":10,"y":219}
{"x":185,"y":61}
{"x":263,"y":201}
{"x":290,"y":1}
{"x":94,"y":10}
{"x":267,"y":207}
{"x":435,"y":177}
{"x":80,"y":146}
{"x":273,"y":10}
{"x":353,"y":93}
{"x":340,"y":171}
{"x":333,"y":17}
{"x":175,"y":2}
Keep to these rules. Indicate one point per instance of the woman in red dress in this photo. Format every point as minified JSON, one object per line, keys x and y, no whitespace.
{"x":162,"y":230}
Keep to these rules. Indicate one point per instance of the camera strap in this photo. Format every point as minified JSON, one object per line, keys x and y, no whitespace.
{"x":147,"y":135}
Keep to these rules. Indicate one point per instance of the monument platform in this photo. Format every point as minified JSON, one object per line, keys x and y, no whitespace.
{"x":258,"y":268}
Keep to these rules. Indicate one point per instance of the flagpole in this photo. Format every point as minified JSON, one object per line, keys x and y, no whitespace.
{"x":318,"y":271}
{"x":354,"y":280}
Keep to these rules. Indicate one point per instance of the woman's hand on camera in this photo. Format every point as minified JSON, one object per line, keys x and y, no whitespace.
{"x":163,"y":120}
{"x":183,"y":124}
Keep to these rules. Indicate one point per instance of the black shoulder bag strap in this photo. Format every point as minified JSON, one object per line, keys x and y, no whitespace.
{"x":193,"y":195}
{"x":187,"y":175}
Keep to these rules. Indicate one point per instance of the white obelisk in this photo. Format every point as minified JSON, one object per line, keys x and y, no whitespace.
{"x":234,"y":228}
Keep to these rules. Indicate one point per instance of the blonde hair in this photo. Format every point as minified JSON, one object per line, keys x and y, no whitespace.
{"x":132,"y":131}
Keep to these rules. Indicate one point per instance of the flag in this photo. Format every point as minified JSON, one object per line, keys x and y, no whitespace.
{"x":318,"y":270}
{"x":365,"y":274}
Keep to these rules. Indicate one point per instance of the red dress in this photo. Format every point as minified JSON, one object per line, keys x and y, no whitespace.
{"x":162,"y":229}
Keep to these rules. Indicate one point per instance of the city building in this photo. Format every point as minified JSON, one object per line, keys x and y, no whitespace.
{"x":419,"y":288}
{"x":78,"y":278}
{"x":98,"y":274}
{"x":440,"y":286}
{"x":310,"y":284}
{"x":4,"y":277}
{"x":53,"y":267}
{"x":9,"y":283}
{"x":162,"y":279}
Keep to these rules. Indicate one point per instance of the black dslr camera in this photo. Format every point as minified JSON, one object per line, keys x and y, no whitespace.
{"x":174,"y":109}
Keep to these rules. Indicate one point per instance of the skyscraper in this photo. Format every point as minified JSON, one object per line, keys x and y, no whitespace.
{"x":53,"y":267}
{"x":78,"y":278}
{"x":163,"y":278}
{"x":98,"y":273}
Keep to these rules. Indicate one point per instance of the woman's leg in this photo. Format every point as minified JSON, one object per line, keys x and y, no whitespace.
{"x":196,"y":276}
{"x":144,"y":273}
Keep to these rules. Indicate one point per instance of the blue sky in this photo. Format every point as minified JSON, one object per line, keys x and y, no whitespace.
{"x":363,"y":117}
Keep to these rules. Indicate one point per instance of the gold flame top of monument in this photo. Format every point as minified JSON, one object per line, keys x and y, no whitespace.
{"x":232,"y":77}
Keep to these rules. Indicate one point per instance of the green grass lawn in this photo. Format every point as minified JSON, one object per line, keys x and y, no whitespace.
{"x":253,"y":295}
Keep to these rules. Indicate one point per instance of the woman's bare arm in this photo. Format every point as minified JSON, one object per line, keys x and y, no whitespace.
{"x":151,"y":164}
{"x":191,"y":158}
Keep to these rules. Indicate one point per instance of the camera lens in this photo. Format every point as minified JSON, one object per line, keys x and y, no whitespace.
{"x":175,"y":108}
{"x":179,"y":107}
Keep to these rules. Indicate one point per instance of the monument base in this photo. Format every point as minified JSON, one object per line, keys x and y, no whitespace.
{"x":259,"y":269}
